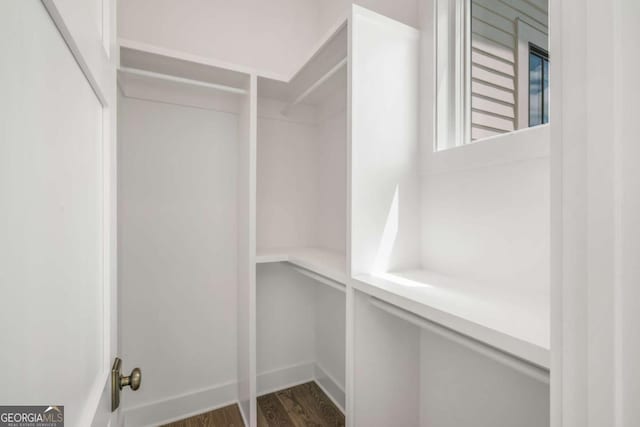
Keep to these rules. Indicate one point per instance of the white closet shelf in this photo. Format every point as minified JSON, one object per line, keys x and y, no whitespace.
{"x":324,"y":262}
{"x":324,"y":70}
{"x":159,"y":63}
{"x":332,"y":79}
{"x":515,"y":323}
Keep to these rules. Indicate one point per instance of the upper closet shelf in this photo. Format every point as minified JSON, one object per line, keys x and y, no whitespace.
{"x":140,"y":61}
{"x":324,"y":262}
{"x":323,"y":72}
{"x":514,"y":322}
{"x":334,"y":78}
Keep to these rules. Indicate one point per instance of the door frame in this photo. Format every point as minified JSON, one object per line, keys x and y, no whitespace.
{"x":595,"y":205}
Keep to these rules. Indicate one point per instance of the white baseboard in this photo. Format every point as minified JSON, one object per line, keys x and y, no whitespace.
{"x":182,"y":406}
{"x":120,"y":419}
{"x":280,"y":379}
{"x":330,"y":386}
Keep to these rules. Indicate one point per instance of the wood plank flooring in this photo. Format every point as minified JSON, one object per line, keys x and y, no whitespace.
{"x":304,"y":405}
{"x":229,"y":416}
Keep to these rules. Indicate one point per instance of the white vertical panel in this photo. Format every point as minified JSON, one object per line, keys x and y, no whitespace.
{"x":601,"y":211}
{"x":384,"y":143}
{"x":595,"y":275}
{"x":246,"y":350}
{"x":627,"y":16}
{"x":556,"y":234}
{"x":596,"y":313}
{"x":51,"y":219}
{"x":285,"y":320}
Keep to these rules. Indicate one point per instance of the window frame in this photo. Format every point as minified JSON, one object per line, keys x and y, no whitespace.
{"x":523,"y":144}
{"x":452,"y":52}
{"x":453,"y":108}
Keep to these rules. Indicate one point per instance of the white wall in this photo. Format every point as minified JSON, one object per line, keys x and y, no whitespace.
{"x":331,"y":134}
{"x":272,"y":36}
{"x":285,"y":319}
{"x":287,"y":183}
{"x":489,"y":224}
{"x":177,"y":247}
{"x":460,"y":387}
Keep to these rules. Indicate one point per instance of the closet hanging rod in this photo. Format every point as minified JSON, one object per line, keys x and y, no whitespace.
{"x":315,"y":85}
{"x":532,"y":371}
{"x":315,"y":276}
{"x":191,"y":82}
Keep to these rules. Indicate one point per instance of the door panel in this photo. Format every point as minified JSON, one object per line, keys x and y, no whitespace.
{"x":52,"y":221}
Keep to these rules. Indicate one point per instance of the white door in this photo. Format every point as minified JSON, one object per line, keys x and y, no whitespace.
{"x":57,"y":234}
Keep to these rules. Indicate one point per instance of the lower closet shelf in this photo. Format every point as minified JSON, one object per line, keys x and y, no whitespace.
{"x":515,"y":323}
{"x":324,"y":262}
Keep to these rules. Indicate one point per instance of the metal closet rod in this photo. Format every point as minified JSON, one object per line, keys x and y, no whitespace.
{"x":522,"y":366}
{"x":183,"y":80}
{"x":329,"y":282}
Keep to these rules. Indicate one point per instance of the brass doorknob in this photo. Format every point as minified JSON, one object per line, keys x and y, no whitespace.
{"x":133,"y":380}
{"x":118,"y":381}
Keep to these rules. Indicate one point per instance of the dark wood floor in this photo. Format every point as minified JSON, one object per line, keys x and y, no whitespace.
{"x":229,"y":416}
{"x":304,"y":405}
